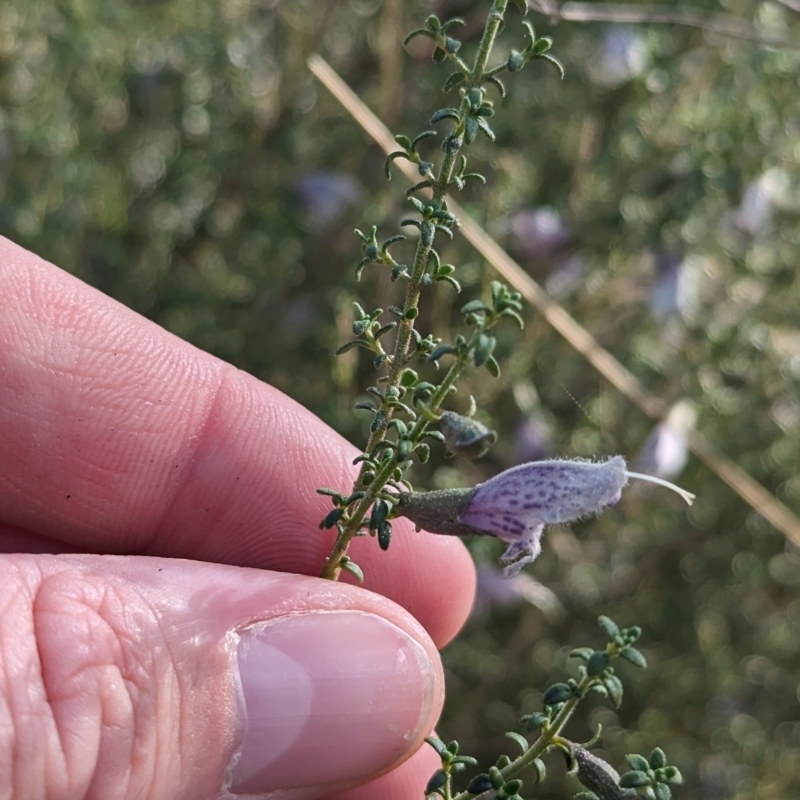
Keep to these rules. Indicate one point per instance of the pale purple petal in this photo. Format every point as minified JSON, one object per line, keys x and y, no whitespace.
{"x":519,"y":499}
{"x":522,"y":551}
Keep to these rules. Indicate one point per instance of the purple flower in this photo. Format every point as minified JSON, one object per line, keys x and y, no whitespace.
{"x":515,"y":505}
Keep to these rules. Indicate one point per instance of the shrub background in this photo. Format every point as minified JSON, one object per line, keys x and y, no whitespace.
{"x":178,"y":155}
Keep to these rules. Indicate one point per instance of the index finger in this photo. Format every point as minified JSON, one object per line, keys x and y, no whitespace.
{"x":119,"y":437}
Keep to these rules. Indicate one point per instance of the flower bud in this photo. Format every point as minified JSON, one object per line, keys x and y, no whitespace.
{"x":464,"y":436}
{"x":597,"y":775}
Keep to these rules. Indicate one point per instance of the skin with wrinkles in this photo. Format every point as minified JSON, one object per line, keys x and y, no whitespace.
{"x":120,"y":438}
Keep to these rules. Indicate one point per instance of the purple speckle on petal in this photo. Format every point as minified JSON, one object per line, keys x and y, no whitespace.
{"x":516,"y":504}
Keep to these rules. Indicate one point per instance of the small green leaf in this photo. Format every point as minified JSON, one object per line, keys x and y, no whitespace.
{"x":516,"y":61}
{"x":673,"y":775}
{"x":337,"y":497}
{"x":451,"y":45}
{"x":534,"y":721}
{"x":474,"y":306}
{"x":444,"y":113}
{"x":597,"y":662}
{"x":347,"y":564}
{"x":630,"y":635}
{"x":438,"y":745}
{"x":437,"y":781}
{"x":441,"y":350}
{"x":657,"y":759}
{"x":516,"y":317}
{"x":498,"y":84}
{"x":414,"y":34}
{"x":609,"y":627}
{"x":632,"y":655}
{"x":556,"y":63}
{"x":387,"y":164}
{"x":483,"y":349}
{"x":380,"y":511}
{"x":493,"y":367}
{"x":634,"y":779}
{"x":557,"y":693}
{"x":384,"y":535}
{"x":404,"y":449}
{"x":408,"y":378}
{"x":662,"y":791}
{"x":637,"y":762}
{"x":480,"y":783}
{"x":332,"y":518}
{"x":454,"y":80}
{"x":614,"y":688}
{"x":519,"y":739}
{"x":471,"y":128}
{"x":484,"y":126}
{"x":452,"y":281}
{"x":420,"y":137}
{"x":584,"y":653}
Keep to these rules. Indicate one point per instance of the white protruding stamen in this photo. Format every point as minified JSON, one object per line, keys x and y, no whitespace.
{"x":687,"y":496}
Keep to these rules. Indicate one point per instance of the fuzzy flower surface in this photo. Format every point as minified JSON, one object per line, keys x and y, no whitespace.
{"x":515,"y":505}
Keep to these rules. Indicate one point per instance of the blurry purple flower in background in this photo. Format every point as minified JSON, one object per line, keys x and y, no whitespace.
{"x":495,"y":590}
{"x":566,"y":277}
{"x":532,"y":440}
{"x":325,"y":196}
{"x":625,"y":55}
{"x":753,"y":216}
{"x":664,"y":453}
{"x":533,"y":436}
{"x":537,"y":234}
{"x":676,"y":291}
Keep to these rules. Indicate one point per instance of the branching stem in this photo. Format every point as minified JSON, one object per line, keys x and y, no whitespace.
{"x":402,"y":351}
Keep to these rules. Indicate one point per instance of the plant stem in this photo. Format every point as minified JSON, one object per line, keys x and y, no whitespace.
{"x":493,"y":23}
{"x":402,"y":348}
{"x":545,"y":740}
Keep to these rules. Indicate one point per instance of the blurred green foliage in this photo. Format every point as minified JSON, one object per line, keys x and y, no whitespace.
{"x":177,"y":155}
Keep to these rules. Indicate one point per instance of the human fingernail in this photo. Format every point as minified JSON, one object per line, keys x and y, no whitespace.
{"x":330,"y":698}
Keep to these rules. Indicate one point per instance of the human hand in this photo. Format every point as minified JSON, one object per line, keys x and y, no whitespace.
{"x":120,"y":673}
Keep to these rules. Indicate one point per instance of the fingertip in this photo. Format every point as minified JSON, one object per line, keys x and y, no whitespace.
{"x":408,"y":780}
{"x":433,"y":577}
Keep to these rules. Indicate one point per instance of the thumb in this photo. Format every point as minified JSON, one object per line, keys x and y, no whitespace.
{"x":125,"y":677}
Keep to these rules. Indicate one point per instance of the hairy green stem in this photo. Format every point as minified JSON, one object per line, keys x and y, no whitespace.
{"x":402,"y":349}
{"x":493,"y":23}
{"x":545,"y":740}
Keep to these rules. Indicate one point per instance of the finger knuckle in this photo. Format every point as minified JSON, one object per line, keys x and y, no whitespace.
{"x":86,"y":677}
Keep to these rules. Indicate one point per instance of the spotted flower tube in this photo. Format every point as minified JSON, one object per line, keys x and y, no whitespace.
{"x":515,"y":505}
